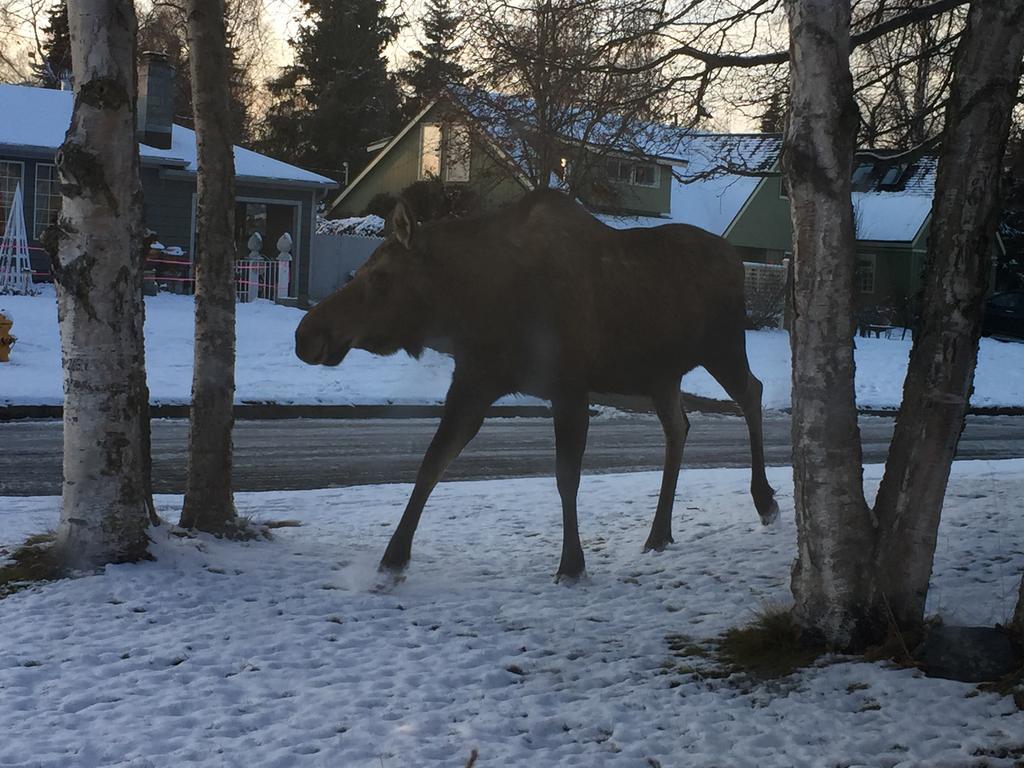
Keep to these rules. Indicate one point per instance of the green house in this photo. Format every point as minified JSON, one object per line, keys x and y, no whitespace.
{"x":732,"y":186}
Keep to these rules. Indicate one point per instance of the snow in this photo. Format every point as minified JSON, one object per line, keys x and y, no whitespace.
{"x":268,"y":370}
{"x":890,"y":216}
{"x":43,"y":115}
{"x":282,"y":653}
{"x":365,"y":226}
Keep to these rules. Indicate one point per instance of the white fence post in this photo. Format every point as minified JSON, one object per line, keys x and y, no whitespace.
{"x":284,"y":258}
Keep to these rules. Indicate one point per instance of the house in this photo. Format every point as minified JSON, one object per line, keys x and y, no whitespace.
{"x":892,"y":202}
{"x":453,"y":141}
{"x":272,"y":197}
{"x":732,"y":186}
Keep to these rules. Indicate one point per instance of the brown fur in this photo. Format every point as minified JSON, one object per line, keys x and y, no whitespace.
{"x":543,"y":299}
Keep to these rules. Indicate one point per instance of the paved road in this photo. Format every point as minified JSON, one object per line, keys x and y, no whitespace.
{"x":319,"y":453}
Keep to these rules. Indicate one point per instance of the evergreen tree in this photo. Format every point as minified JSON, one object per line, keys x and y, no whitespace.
{"x":437,"y":64}
{"x":337,"y":97}
{"x":56,"y":63}
{"x":774,"y":118}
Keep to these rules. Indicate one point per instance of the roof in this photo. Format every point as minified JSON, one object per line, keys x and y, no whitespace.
{"x":716,"y":174}
{"x":721,"y":173}
{"x":389,"y":144}
{"x":892,"y":197}
{"x":43,"y":116}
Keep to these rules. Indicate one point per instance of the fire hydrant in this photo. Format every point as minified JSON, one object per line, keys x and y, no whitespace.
{"x":6,"y":339}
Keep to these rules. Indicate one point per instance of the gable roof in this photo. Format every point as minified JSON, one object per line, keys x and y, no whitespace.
{"x":41,"y":117}
{"x":387,"y":145}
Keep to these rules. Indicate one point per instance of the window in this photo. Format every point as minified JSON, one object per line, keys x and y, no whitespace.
{"x":861,"y":177}
{"x":893,"y":176}
{"x":11,"y":172}
{"x":458,"y":150}
{"x":783,"y":187}
{"x":47,"y":199}
{"x":645,"y":175}
{"x":430,"y":151}
{"x":619,"y":171}
{"x":866,"y":273}
{"x":637,"y":174}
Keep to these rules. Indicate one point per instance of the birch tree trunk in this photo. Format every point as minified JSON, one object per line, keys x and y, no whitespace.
{"x":209,"y":504}
{"x":105,"y":498}
{"x":940,"y":376}
{"x":831,"y":578}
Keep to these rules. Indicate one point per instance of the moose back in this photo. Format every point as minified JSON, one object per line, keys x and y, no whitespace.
{"x":543,"y":299}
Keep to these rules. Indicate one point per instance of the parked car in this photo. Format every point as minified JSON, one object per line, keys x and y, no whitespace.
{"x":1004,"y":315}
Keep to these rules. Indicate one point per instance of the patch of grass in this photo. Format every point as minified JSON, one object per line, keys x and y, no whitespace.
{"x":684,"y":647}
{"x":32,"y":562}
{"x":1011,"y":685}
{"x":898,"y":645}
{"x":769,"y":647}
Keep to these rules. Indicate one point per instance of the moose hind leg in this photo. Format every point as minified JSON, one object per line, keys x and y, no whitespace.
{"x":668,"y":406}
{"x":572,"y":420}
{"x":464,"y":412}
{"x":745,"y":388}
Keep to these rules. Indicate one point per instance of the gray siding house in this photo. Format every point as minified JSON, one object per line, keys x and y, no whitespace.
{"x":272,"y":197}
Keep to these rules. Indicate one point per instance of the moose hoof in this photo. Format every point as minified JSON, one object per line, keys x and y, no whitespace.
{"x":658,"y":544}
{"x":771,"y":514}
{"x":396,"y":568}
{"x":387,"y":580}
{"x":571,"y":569}
{"x":570,"y":578}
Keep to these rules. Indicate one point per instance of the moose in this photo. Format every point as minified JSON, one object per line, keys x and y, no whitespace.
{"x":541,"y":298}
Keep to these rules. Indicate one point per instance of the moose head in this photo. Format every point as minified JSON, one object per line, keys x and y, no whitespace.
{"x":383,"y":308}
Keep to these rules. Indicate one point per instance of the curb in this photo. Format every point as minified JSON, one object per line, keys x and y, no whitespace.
{"x":272,"y":411}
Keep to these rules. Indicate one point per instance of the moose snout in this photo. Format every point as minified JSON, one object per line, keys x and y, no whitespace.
{"x":310,"y":345}
{"x":315,"y":345}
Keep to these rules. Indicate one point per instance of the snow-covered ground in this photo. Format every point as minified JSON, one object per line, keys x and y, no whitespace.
{"x":268,"y":371}
{"x":282,"y":654}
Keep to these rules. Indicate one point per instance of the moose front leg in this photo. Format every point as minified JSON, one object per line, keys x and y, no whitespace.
{"x":572,"y":420}
{"x":464,"y":412}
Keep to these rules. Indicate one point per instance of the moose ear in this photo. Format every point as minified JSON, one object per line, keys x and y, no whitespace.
{"x":403,"y":223}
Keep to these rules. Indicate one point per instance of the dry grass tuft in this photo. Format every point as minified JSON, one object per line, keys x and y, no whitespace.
{"x":768,"y":647}
{"x":32,"y":562}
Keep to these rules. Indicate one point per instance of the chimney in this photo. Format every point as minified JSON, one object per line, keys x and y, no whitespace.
{"x":156,"y":100}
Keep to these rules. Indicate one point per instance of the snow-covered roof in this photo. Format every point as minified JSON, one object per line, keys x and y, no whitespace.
{"x":36,"y":119}
{"x":720,"y":174}
{"x":892,"y":198}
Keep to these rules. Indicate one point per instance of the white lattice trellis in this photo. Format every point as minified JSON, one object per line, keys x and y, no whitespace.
{"x":15,"y":267}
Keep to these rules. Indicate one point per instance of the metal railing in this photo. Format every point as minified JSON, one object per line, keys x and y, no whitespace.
{"x":261,"y":279}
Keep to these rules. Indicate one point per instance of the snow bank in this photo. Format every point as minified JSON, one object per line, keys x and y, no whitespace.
{"x":281,"y":653}
{"x":268,"y":370}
